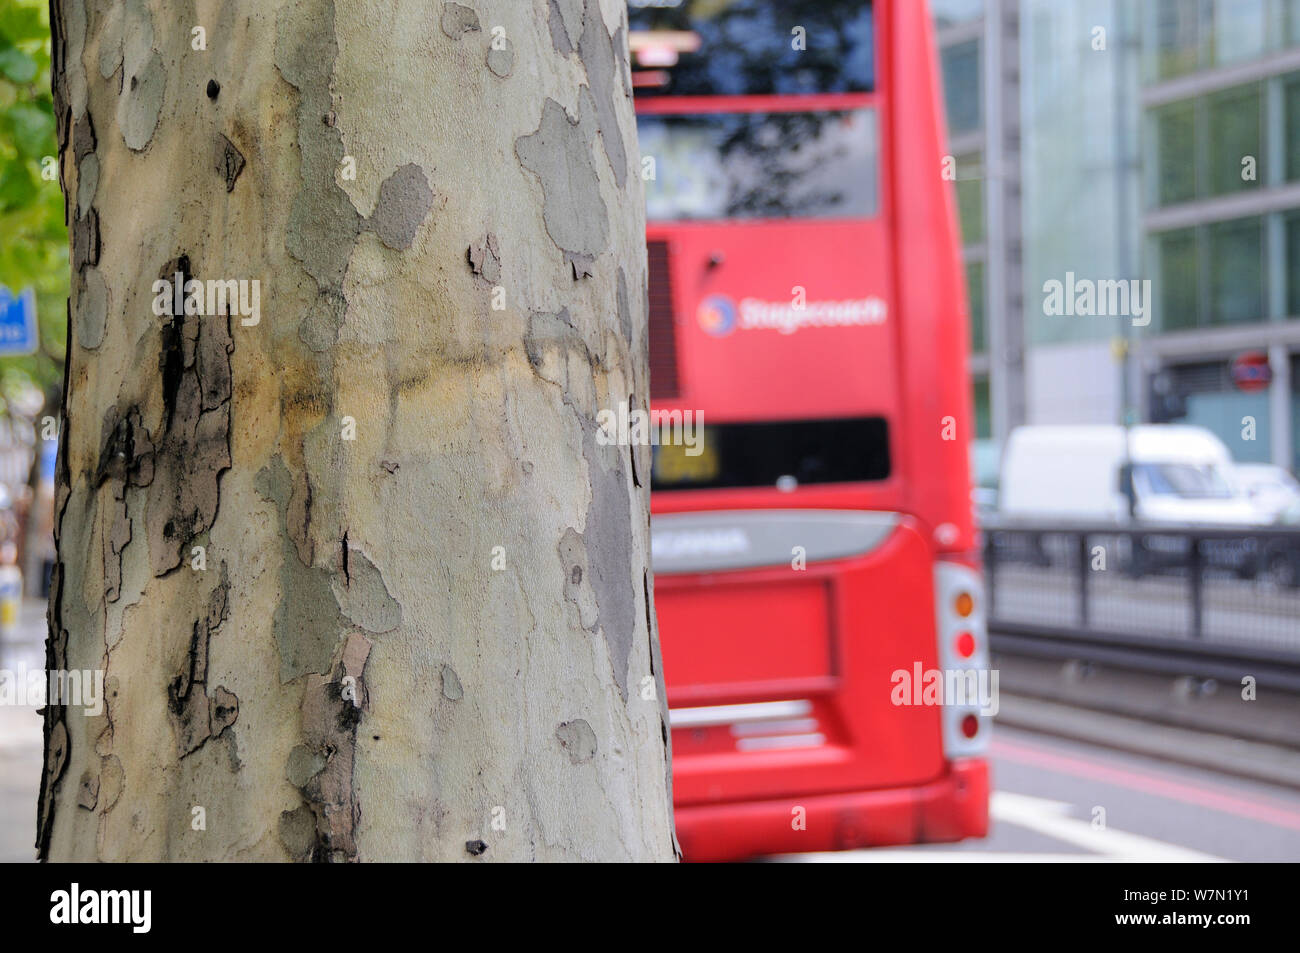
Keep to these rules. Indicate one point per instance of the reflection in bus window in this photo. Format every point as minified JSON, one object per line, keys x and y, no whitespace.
{"x":750,"y":47}
{"x":760,"y":165}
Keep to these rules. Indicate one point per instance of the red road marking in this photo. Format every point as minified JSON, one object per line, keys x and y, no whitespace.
{"x":1219,"y":800}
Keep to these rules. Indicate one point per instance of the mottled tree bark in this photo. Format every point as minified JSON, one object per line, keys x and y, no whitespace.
{"x":363,"y":582}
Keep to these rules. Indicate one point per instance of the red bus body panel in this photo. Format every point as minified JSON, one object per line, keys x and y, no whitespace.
{"x":828,"y":638}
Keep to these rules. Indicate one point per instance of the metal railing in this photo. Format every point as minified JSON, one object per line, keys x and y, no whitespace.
{"x":1194,"y":600}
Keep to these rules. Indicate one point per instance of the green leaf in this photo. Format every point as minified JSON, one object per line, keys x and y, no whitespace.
{"x":17,"y":65}
{"x":33,"y":129}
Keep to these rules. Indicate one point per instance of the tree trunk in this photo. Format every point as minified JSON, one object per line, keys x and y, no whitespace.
{"x":364,"y":581}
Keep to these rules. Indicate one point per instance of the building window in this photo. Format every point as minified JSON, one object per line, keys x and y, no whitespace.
{"x":975,"y":295}
{"x":1200,"y":145}
{"x":1175,"y":153}
{"x":983,"y":411}
{"x":961,"y":86}
{"x":1291,"y":101}
{"x":1178,"y":37}
{"x":1188,"y":35}
{"x":1236,"y":270}
{"x":970,"y":197}
{"x":953,"y":12}
{"x":1291,"y":22}
{"x":1295,"y":414}
{"x":1175,"y":253}
{"x":1293,"y":264}
{"x":1239,"y":31}
{"x":1235,"y":131}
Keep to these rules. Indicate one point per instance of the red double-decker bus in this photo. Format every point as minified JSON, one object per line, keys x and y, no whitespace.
{"x":814,"y":554}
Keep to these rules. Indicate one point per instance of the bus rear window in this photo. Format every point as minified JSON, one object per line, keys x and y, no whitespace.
{"x":750,"y":47}
{"x":783,"y":454}
{"x":717,"y":166}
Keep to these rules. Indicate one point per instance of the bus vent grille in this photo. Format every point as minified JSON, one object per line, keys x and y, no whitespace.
{"x":663,"y":336}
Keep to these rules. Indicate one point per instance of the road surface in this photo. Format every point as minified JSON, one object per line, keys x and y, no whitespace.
{"x":1047,"y":791}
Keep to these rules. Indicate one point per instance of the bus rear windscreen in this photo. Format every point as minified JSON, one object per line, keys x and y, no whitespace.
{"x":783,"y":454}
{"x":720,"y":166}
{"x":750,"y":47}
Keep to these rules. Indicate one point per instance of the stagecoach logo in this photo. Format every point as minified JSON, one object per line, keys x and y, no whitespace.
{"x":717,"y":315}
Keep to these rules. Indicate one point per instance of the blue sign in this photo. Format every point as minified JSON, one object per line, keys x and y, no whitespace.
{"x":18,"y":322}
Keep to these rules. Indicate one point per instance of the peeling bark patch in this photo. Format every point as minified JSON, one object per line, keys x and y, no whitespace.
{"x":83,"y":138}
{"x":88,"y":791}
{"x":404,"y":202}
{"x":323,"y":225}
{"x":224,"y":709}
{"x":624,"y":308}
{"x":502,"y":61}
{"x":85,"y":240}
{"x":304,"y":764}
{"x":565,"y":23}
{"x":115,"y":541}
{"x":546,"y":331}
{"x":485,"y":258}
{"x":307,"y":619}
{"x":451,"y":688}
{"x":577,"y":739}
{"x":56,"y":750}
{"x":597,"y":52}
{"x":110,"y":41}
{"x":87,"y":184}
{"x":297,"y":830}
{"x":126,"y":451}
{"x":661,"y":693}
{"x":92,"y":308}
{"x":112,"y":780}
{"x":61,"y":612}
{"x":457,"y":20}
{"x":608,"y":541}
{"x":329,"y":728}
{"x":140,"y":103}
{"x":559,"y":154}
{"x":196,"y":716}
{"x":577,"y":586}
{"x":230,"y":161}
{"x":624,"y":67}
{"x":364,"y":598}
{"x":183,"y":500}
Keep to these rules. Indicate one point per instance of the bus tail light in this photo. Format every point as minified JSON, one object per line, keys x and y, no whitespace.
{"x":969,"y":685}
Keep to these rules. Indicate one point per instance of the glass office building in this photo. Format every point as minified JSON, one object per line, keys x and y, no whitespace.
{"x":1132,"y":141}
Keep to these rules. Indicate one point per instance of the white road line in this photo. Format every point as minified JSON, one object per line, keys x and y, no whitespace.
{"x":1043,"y":816}
{"x":1050,"y":819}
{"x":914,"y":856}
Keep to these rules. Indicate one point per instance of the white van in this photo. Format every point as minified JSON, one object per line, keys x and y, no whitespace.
{"x":1158,"y":473}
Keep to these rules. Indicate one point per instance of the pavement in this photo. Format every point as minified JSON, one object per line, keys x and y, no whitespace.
{"x":21,"y":741}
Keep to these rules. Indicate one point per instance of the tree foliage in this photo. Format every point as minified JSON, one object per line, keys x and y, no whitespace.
{"x":33,"y":236}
